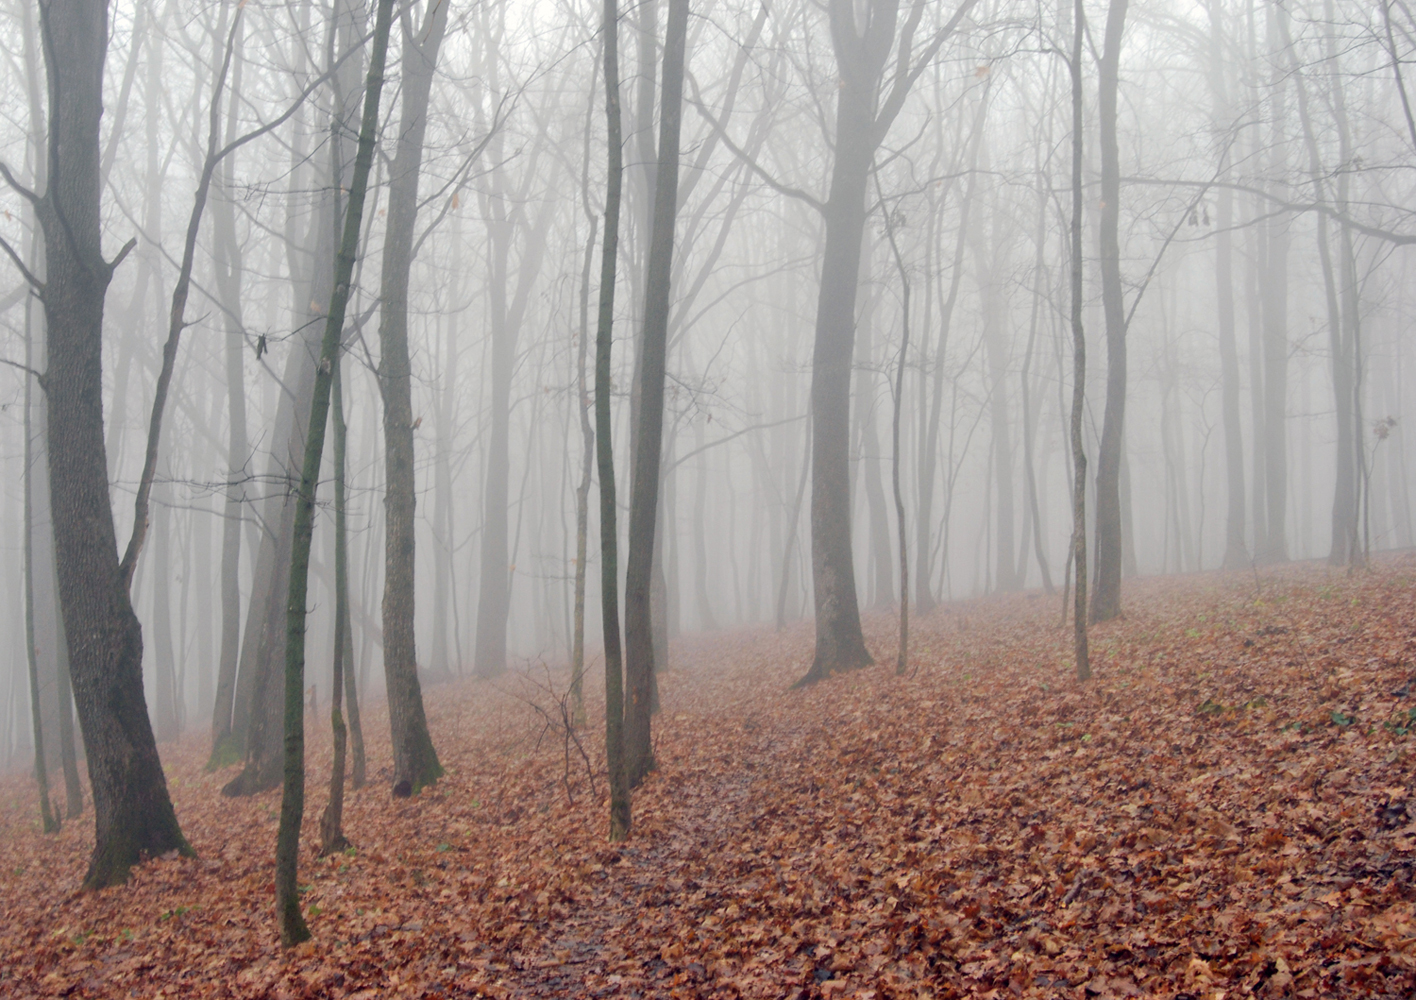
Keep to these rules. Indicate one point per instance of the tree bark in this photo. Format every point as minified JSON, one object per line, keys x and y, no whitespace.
{"x":604,"y":453}
{"x":415,"y":762}
{"x":1106,"y":602}
{"x":332,"y":837}
{"x":644,"y":489}
{"x":132,"y":810}
{"x":292,"y":803}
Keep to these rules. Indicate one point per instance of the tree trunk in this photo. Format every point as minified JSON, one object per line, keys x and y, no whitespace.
{"x":132,"y":811}
{"x":582,"y":489}
{"x":1236,"y":553}
{"x":229,"y":270}
{"x":1079,"y":365}
{"x":840,"y":645}
{"x":609,"y":540}
{"x":1106,"y":602}
{"x":165,"y":671}
{"x":863,"y":117}
{"x":258,"y":707}
{"x":929,"y":448}
{"x":869,"y":459}
{"x":415,"y":762}
{"x":292,"y":802}
{"x":1274,"y":548}
{"x":48,"y":819}
{"x":332,"y":837}
{"x":644,"y":489}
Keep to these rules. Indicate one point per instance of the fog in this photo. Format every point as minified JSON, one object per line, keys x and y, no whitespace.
{"x":1264,"y":162}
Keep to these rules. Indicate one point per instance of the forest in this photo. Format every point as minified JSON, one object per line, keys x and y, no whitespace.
{"x":873,"y":498}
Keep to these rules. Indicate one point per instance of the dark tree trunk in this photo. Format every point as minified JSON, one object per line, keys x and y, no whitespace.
{"x":332,"y":837}
{"x":604,"y":454}
{"x":1106,"y":602}
{"x":292,"y":802}
{"x":644,"y":489}
{"x":415,"y":762}
{"x":132,"y":811}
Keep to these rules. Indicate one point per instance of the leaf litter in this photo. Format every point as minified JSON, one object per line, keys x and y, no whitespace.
{"x":1224,"y":810}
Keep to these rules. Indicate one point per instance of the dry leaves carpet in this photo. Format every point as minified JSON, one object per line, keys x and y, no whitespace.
{"x":1223,"y":811}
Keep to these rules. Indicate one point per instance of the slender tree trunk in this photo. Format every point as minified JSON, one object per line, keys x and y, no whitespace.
{"x":132,"y":811}
{"x":1236,"y":553}
{"x":229,"y":270}
{"x":48,"y":817}
{"x":1275,"y":329}
{"x":1079,"y":365}
{"x":930,"y":446}
{"x":1106,"y":602}
{"x":792,"y":532}
{"x":415,"y":762}
{"x":902,"y":654}
{"x":644,"y":490}
{"x":869,"y":457}
{"x":165,"y":674}
{"x":332,"y":837}
{"x":582,"y":490}
{"x":609,"y":540}
{"x":292,"y":804}
{"x":258,"y":710}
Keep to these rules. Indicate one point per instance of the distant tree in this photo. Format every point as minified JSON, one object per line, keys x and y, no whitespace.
{"x":1106,"y":600}
{"x":1079,"y":361}
{"x":864,"y":114}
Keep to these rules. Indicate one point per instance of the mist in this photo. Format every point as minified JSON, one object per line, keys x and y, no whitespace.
{"x":1246,"y":286}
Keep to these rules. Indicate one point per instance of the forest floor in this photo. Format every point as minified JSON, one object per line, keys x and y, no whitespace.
{"x":1225,"y":809}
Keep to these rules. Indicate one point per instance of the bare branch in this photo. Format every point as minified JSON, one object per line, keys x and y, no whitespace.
{"x":38,"y":376}
{"x":752,"y":164}
{"x":15,"y":258}
{"x":19,"y":188}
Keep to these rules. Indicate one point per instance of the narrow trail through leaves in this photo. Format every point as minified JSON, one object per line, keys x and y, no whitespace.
{"x":1225,"y":809}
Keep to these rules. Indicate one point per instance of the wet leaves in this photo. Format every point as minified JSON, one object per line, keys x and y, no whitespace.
{"x":1224,"y":809}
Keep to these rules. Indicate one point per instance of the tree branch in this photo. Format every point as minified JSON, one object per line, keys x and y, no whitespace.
{"x":15,"y":259}
{"x":1299,"y":207}
{"x":19,"y":188}
{"x":38,"y":376}
{"x":752,"y":164}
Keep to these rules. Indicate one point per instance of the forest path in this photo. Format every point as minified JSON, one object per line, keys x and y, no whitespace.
{"x":715,"y":807}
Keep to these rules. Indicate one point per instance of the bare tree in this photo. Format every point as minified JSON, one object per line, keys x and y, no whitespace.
{"x":132,"y":810}
{"x":415,"y":762}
